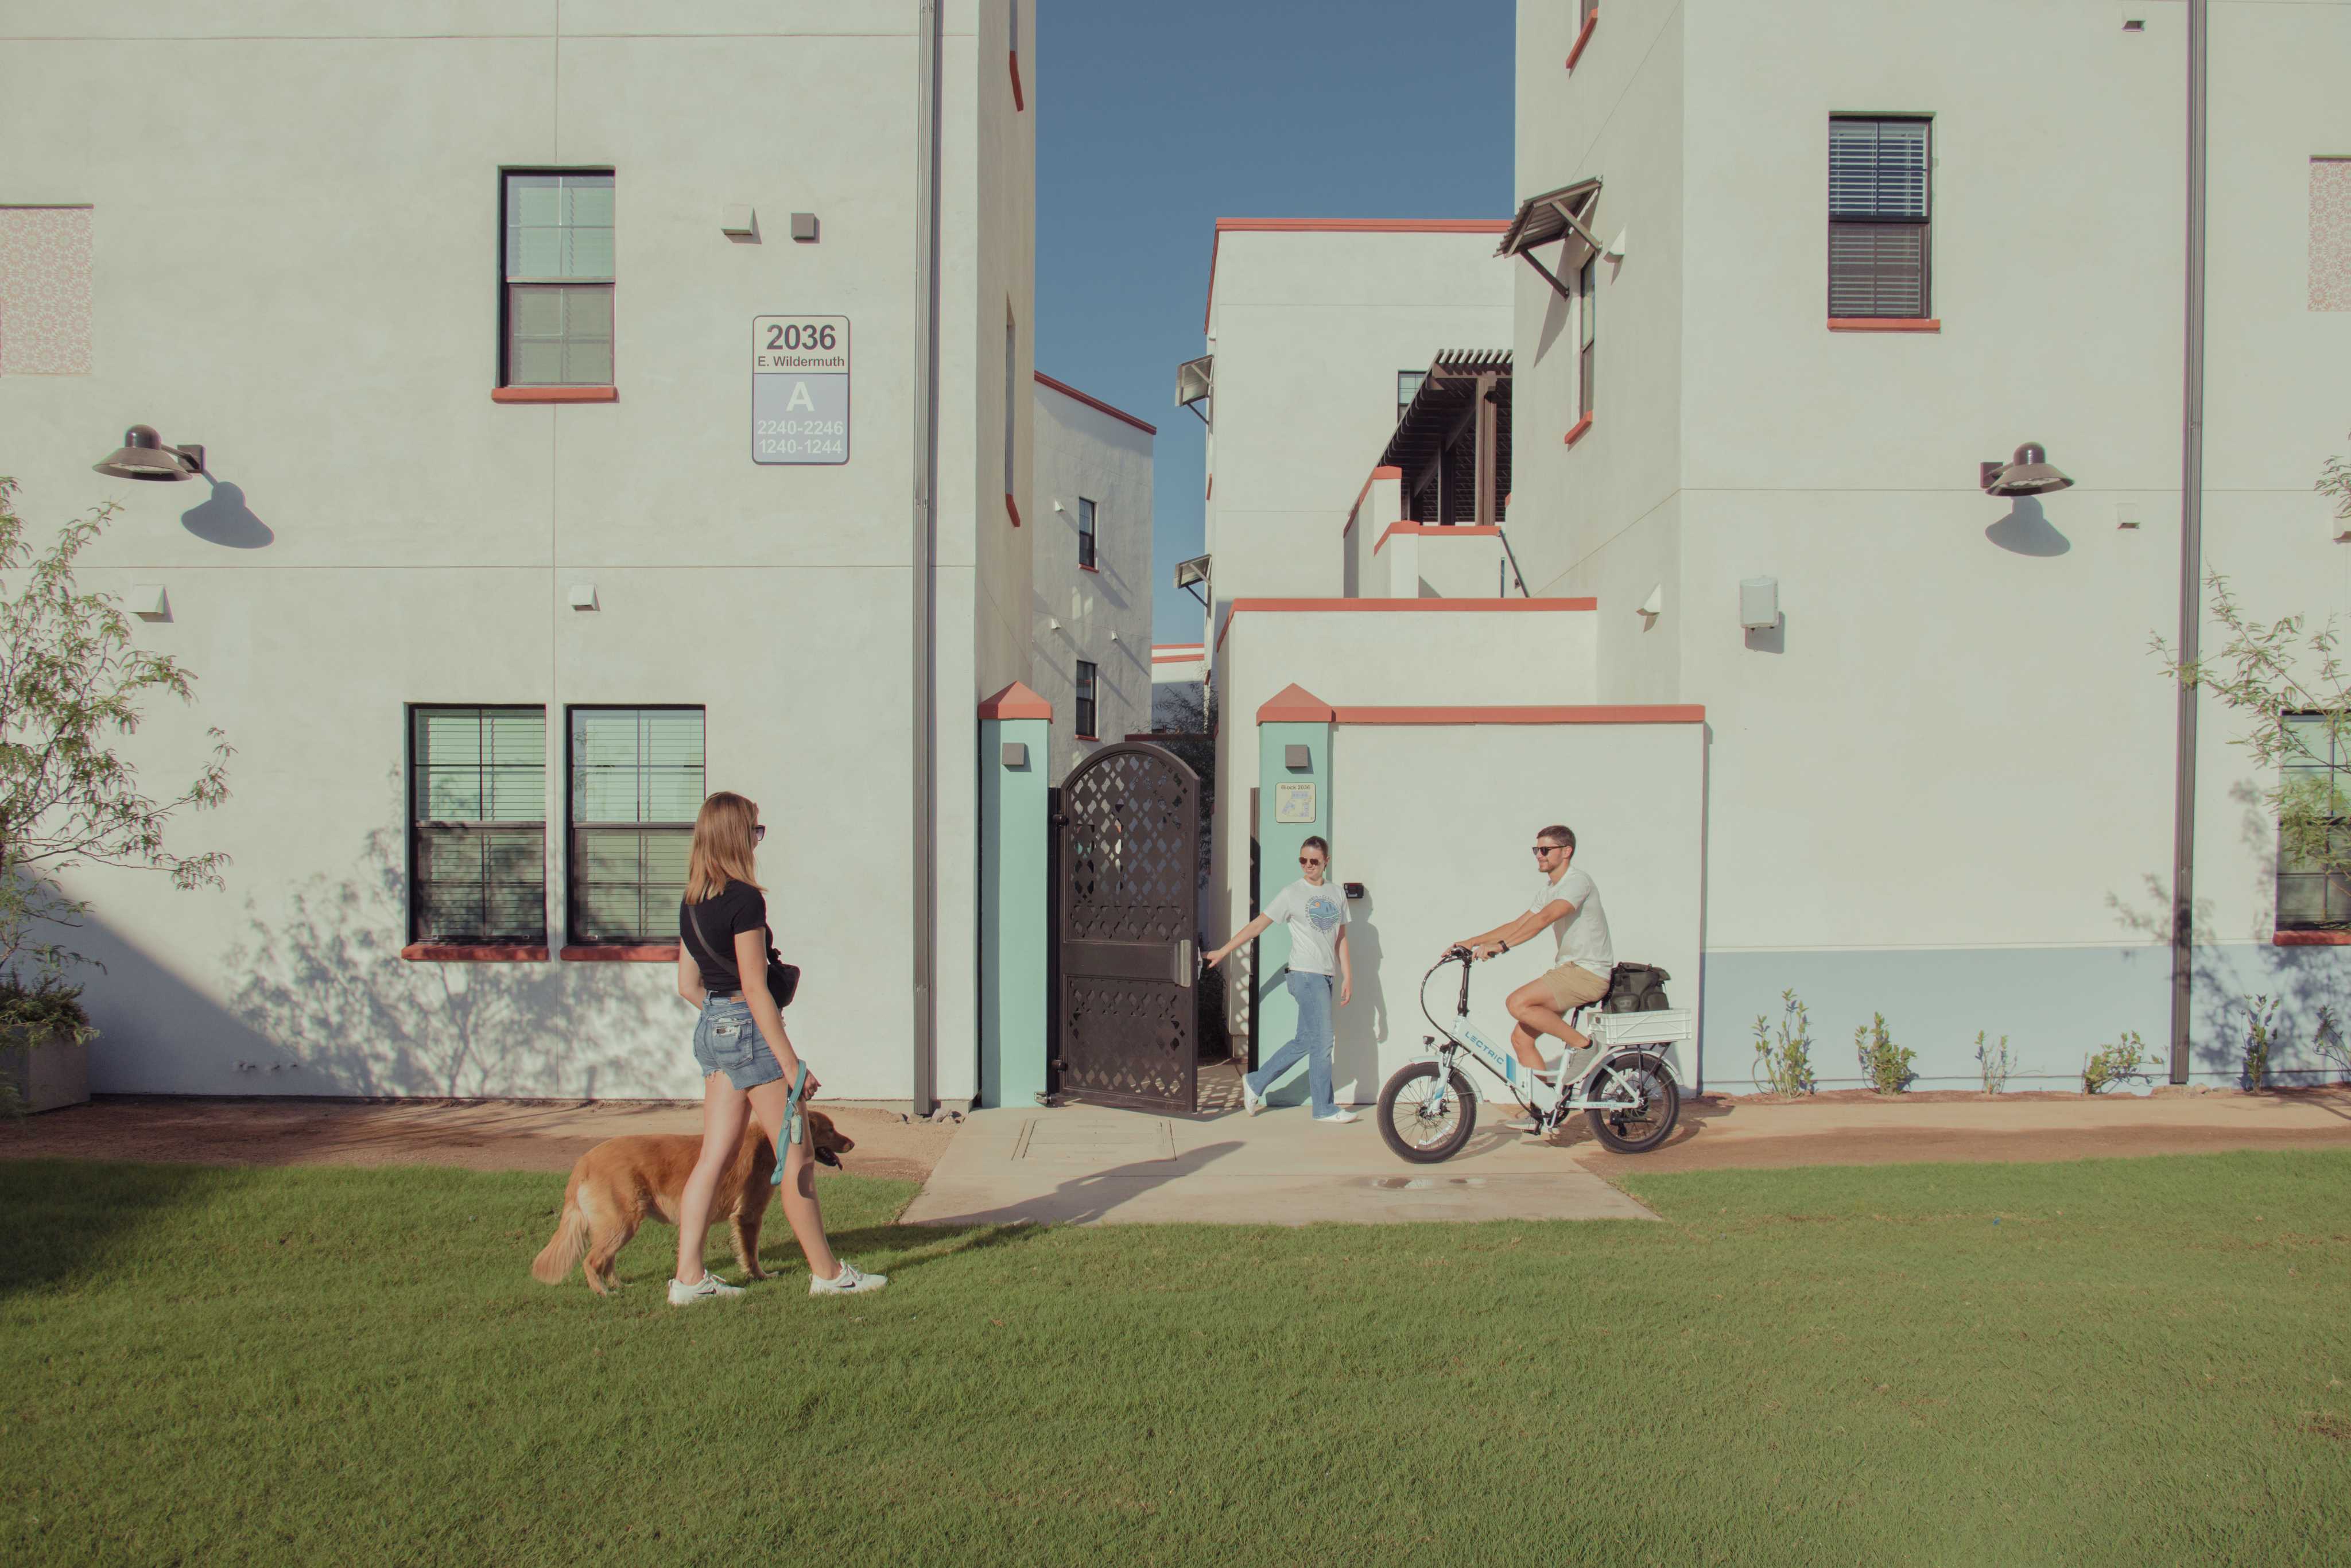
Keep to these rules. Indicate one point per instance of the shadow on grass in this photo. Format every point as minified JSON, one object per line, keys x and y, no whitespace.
{"x":65,"y":1217}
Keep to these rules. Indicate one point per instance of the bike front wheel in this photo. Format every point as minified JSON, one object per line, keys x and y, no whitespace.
{"x":1647,"y":1117}
{"x":1418,"y":1130}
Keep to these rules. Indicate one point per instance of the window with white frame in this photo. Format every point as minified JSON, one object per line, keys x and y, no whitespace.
{"x":637,"y":778}
{"x":1089,"y":683}
{"x":477,"y":824}
{"x":1086,"y":535}
{"x":558,"y":266}
{"x":1879,"y":215}
{"x":2316,"y":774}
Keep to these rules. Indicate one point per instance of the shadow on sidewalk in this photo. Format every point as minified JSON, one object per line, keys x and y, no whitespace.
{"x":1084,"y":1199}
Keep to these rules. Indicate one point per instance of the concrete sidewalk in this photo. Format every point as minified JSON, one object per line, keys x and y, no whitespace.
{"x":1087,"y":1165}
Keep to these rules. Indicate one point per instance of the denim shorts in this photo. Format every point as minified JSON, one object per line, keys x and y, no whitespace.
{"x":727,"y":1039}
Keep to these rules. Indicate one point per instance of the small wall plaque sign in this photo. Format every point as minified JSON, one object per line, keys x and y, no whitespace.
{"x":1293,"y":803}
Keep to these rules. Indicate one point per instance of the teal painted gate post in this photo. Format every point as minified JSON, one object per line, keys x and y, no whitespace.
{"x":1014,"y":859}
{"x":1293,"y":803}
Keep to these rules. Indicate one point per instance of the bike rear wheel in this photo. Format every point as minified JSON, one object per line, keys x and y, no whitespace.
{"x":1408,"y":1126}
{"x":1648,"y":1121}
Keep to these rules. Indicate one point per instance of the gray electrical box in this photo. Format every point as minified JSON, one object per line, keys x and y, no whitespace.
{"x":1759,"y":604}
{"x":1296,"y":758}
{"x":1016,"y":754}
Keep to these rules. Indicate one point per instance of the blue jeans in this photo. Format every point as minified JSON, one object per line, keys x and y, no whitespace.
{"x":1313,"y":1041}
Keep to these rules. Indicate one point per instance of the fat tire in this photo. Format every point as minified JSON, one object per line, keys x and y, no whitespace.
{"x":1433,"y":1153}
{"x":1669,"y":1095}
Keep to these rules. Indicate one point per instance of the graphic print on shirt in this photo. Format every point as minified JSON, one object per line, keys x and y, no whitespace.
{"x":1324,"y":910}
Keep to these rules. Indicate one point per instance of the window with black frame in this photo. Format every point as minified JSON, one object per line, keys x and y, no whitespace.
{"x":1086,"y":534}
{"x":1587,"y":326}
{"x":2316,"y":776}
{"x":478,"y":825}
{"x":557,"y":261}
{"x":637,"y":781}
{"x":1089,"y":680}
{"x":1879,"y":211}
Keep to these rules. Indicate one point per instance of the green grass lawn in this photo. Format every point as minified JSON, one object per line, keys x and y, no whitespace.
{"x":2135,"y":1362}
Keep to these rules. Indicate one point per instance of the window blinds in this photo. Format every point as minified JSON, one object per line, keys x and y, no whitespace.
{"x":637,"y":783}
{"x":478,"y":828}
{"x":1878,"y":215}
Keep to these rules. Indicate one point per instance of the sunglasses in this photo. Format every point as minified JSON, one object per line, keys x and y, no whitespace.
{"x":1549,"y":848}
{"x":759,"y":831}
{"x":1309,"y":860}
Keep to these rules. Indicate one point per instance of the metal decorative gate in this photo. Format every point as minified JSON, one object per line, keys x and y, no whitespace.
{"x":1127,"y":1013}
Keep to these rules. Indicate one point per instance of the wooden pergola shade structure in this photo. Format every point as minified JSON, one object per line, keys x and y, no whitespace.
{"x":1453,"y":440}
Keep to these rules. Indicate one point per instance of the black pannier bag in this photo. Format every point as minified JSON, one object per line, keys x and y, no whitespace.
{"x":1636,"y":988}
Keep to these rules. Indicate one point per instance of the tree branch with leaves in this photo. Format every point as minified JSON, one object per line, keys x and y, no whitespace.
{"x":73,"y":687}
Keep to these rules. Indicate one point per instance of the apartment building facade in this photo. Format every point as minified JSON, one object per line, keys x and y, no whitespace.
{"x":599,"y":407}
{"x":1092,"y":561}
{"x":1789,"y":291}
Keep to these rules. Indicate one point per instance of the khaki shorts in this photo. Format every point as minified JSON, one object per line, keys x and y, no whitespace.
{"x":1571,"y":985}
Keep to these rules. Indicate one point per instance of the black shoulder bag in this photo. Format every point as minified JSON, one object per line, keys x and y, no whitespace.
{"x":783,"y":980}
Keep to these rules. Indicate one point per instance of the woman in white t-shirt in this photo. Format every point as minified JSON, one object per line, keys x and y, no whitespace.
{"x":1316,"y":914}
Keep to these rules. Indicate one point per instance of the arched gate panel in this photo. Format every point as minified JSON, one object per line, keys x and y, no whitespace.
{"x":1127,"y":1015}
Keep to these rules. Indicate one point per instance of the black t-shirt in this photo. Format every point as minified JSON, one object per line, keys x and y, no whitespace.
{"x":708,"y":931}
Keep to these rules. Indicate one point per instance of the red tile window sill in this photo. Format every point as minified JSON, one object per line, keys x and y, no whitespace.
{"x":2310,"y":939}
{"x":1083,"y":567}
{"x":1886,"y":323}
{"x":473,"y":953}
{"x":1575,"y":431}
{"x":1012,"y":506}
{"x":1088,"y":736}
{"x":1019,"y":103}
{"x":1582,"y":37}
{"x":555,"y":394}
{"x":622,"y":953}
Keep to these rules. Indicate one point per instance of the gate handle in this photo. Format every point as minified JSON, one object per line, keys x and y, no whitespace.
{"x":1188,"y":964}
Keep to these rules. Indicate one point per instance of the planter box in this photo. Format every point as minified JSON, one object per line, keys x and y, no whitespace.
{"x":48,"y":1076}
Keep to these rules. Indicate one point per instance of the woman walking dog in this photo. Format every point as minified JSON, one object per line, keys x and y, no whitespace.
{"x":1317,"y":918}
{"x":748,"y":1062}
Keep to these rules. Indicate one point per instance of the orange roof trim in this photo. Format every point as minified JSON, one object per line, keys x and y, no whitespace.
{"x":1015,"y":701}
{"x":1066,"y":390}
{"x":1293,"y":703}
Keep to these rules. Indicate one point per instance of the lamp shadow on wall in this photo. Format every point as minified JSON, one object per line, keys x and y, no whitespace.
{"x":223,"y":518}
{"x":2027,"y":530}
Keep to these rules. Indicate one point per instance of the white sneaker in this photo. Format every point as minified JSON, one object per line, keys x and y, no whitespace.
{"x":1251,"y":1100}
{"x":712,"y":1289}
{"x":848,"y":1283}
{"x":1338,"y":1116}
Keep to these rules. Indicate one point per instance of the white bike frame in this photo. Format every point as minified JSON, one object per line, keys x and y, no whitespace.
{"x":1549,"y":1101}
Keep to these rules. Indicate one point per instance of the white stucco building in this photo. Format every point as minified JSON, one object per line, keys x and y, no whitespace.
{"x":1801,"y":274}
{"x":566,"y":382}
{"x":1092,"y":565}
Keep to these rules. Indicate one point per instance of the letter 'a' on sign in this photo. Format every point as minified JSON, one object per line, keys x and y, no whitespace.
{"x":799,"y":389}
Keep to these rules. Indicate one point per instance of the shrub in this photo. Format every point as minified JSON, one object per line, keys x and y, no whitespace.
{"x":1783,"y":1063}
{"x":2261,"y":1017}
{"x":2329,"y":1040}
{"x":1886,"y":1064}
{"x":1993,"y":1062}
{"x":2111,"y":1064}
{"x":34,"y":1014}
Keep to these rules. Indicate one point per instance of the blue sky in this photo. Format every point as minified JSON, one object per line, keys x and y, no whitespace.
{"x":1153,"y":121}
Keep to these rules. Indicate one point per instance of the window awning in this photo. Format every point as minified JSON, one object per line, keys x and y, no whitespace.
{"x":1562,"y":214}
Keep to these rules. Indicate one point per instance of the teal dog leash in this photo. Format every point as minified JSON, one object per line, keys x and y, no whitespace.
{"x":795,"y":1122}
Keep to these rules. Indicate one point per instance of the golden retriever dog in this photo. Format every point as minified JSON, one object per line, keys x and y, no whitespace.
{"x":622,"y":1182}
